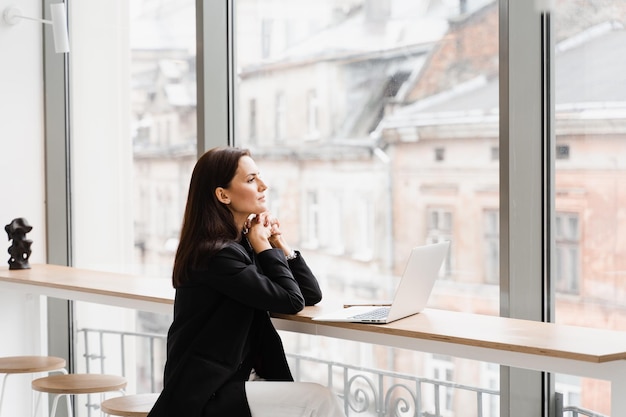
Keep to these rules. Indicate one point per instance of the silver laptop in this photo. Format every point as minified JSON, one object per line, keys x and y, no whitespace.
{"x":412,"y":293}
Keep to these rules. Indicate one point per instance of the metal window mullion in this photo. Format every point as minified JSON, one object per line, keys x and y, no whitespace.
{"x":522,"y":187}
{"x":215,"y":73}
{"x":548,"y":207}
{"x":57,"y":189}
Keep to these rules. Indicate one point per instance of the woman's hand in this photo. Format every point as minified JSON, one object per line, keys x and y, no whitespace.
{"x":275,"y":238}
{"x":259,"y":233}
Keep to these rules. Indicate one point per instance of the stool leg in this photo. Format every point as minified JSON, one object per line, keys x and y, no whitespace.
{"x":68,"y":402}
{"x":37,"y":401}
{"x":4,"y":384}
{"x":53,"y":411}
{"x":55,"y":402}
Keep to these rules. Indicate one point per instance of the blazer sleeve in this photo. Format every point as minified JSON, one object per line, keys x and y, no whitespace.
{"x":306,"y":280}
{"x":233,"y":274}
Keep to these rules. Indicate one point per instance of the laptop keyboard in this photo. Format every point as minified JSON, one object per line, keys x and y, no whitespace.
{"x":376,"y":314}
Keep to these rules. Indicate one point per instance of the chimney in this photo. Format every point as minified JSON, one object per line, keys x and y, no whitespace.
{"x":462,"y":7}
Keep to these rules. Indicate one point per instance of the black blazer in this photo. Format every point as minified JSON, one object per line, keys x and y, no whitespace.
{"x":222,"y":329}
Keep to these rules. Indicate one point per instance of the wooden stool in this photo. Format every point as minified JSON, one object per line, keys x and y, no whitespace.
{"x":11,"y":365}
{"x":136,"y":405}
{"x":72,"y":384}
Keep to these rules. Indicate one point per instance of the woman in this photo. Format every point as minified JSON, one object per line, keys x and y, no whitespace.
{"x":232,"y":266}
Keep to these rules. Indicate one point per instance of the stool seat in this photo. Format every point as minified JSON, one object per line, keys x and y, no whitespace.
{"x":136,"y":405}
{"x":79,"y":383}
{"x":30,"y":364}
{"x":12,"y":365}
{"x":73,"y":384}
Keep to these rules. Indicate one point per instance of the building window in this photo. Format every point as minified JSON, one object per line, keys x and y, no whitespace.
{"x":441,"y":369}
{"x":280,"y":120}
{"x":562,"y":151}
{"x":266,"y":37}
{"x":312,"y":219}
{"x":490,"y":376}
{"x":440,"y":230}
{"x":495,"y":153}
{"x":334,"y":230}
{"x":364,"y":236}
{"x":312,"y":115}
{"x":569,"y":386}
{"x":440,"y":154}
{"x":252,"y":122}
{"x":567,"y":258}
{"x":491,"y":220}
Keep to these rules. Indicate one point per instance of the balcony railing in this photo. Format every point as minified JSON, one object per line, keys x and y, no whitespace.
{"x":374,"y":392}
{"x":364,"y":391}
{"x":580,"y":412}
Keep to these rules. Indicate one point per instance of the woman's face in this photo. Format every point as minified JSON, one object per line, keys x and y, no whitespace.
{"x":246,"y":193}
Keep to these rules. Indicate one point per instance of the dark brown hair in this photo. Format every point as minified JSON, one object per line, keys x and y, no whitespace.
{"x":208,"y":224}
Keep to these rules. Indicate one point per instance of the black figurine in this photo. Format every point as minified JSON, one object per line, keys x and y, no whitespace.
{"x":20,"y":248}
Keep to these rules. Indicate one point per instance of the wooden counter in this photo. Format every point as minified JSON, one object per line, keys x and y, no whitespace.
{"x":595,"y":353}
{"x":523,"y":336}
{"x":122,"y":290}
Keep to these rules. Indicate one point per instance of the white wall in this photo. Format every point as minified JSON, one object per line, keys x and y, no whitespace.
{"x":22,"y":176}
{"x":21,"y":120}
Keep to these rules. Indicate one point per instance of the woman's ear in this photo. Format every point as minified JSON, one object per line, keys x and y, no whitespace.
{"x":222,"y":195}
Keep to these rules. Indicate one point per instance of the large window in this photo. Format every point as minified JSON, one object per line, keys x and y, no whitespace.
{"x":133,"y":95}
{"x":376,"y":124}
{"x":590,"y":135}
